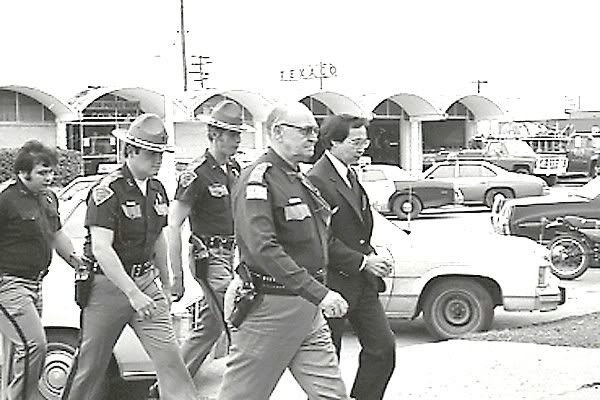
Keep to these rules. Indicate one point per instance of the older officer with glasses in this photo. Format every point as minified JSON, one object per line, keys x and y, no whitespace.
{"x":282,"y":230}
{"x":126,"y":214}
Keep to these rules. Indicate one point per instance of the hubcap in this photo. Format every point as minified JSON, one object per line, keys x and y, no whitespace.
{"x":457,"y":311}
{"x":407,"y":207}
{"x":55,"y":373}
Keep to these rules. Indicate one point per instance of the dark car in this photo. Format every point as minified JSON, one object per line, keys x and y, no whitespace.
{"x":526,"y":216}
{"x":394,"y":191}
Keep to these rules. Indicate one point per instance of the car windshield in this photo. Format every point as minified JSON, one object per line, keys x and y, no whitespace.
{"x":590,"y":190}
{"x":397,"y":174}
{"x":519,"y":148}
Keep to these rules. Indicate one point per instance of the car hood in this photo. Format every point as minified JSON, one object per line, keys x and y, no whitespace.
{"x":549,"y":199}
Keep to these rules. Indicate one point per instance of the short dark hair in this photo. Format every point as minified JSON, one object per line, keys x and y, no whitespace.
{"x":33,"y":153}
{"x":337,"y":127}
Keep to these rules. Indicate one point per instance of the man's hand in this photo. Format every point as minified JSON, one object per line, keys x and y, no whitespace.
{"x":333,"y":305}
{"x":378,"y":265}
{"x":143,"y":305}
{"x":177,"y":289}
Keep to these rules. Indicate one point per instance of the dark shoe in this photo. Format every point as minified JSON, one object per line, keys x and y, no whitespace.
{"x":153,"y":392}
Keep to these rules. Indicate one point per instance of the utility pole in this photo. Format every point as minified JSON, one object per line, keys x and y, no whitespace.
{"x":478,"y":82}
{"x":182,"y":35}
{"x":200,"y":61}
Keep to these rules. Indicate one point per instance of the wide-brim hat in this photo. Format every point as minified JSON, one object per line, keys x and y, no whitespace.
{"x":227,"y":115}
{"x":146,"y":132}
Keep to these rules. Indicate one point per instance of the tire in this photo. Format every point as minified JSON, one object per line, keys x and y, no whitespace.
{"x":593,"y":170}
{"x":570,"y":257}
{"x":493,"y":194}
{"x":62,"y":344}
{"x":405,"y":206}
{"x":550,"y":180}
{"x":455,"y":307}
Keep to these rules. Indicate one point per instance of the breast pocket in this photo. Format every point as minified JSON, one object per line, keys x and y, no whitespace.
{"x":297,"y":222}
{"x":30,"y":224}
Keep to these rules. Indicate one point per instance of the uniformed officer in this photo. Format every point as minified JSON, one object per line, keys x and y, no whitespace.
{"x":31,"y":229}
{"x":126,"y":214}
{"x":281,"y":227}
{"x":203,"y":196}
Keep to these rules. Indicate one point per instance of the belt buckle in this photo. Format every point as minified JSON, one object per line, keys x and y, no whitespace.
{"x":136,"y":270}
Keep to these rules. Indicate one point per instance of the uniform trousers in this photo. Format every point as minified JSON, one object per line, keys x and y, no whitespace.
{"x":209,"y":324}
{"x":104,"y":318}
{"x":20,"y":322}
{"x":282,"y":332}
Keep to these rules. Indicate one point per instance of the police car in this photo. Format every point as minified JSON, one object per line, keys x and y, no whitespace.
{"x":455,"y":289}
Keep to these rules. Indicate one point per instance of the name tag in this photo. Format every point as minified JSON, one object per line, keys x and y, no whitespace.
{"x":218,"y":190}
{"x":296,"y":212}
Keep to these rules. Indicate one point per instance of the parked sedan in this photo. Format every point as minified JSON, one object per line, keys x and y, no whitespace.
{"x":482,"y":183}
{"x":456,"y":288}
{"x":393,"y":190}
{"x":526,"y":216}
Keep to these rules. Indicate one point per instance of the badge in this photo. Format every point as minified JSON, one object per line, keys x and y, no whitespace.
{"x":256,"y":192}
{"x":218,"y":190}
{"x":101,"y":193}
{"x":296,"y":212}
{"x":132,"y":210}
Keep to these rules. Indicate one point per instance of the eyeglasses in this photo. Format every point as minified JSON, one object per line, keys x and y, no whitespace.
{"x":359,"y":142}
{"x":306,"y":131}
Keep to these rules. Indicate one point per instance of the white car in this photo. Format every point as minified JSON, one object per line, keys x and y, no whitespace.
{"x":455,"y":287}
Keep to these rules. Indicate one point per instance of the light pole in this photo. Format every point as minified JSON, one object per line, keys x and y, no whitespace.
{"x":182,"y":35}
{"x":479,"y":83}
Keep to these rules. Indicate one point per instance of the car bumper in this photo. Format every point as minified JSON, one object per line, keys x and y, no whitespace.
{"x":548,"y":299}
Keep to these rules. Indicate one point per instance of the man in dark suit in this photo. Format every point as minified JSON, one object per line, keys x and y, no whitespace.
{"x":344,"y":138}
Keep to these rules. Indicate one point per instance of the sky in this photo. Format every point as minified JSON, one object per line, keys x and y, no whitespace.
{"x":523,"y":49}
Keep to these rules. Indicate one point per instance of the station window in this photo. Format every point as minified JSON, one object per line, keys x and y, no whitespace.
{"x":17,"y":107}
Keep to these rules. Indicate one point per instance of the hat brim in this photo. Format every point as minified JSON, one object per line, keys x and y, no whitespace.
{"x":223,"y":125}
{"x":121,"y":134}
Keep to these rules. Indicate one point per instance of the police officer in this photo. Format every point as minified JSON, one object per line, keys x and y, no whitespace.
{"x":31,"y":229}
{"x":203,"y":196}
{"x":281,"y":227}
{"x":126,"y":214}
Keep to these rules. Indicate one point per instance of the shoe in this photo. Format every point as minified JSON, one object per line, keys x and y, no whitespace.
{"x":153,"y":392}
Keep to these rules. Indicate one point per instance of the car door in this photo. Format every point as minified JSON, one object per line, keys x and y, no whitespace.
{"x":378,"y":186}
{"x":472,"y":182}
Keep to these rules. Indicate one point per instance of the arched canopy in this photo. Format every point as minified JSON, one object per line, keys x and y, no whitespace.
{"x":61,"y":110}
{"x":337,"y":103}
{"x":255,"y":103}
{"x":149,"y":100}
{"x":415,"y":106}
{"x":481,"y":107}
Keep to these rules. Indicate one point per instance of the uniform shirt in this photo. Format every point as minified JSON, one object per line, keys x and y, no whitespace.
{"x":282,"y":226}
{"x":206,"y":188}
{"x":29,"y":222}
{"x":116,"y":203}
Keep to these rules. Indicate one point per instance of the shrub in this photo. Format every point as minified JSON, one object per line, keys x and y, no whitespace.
{"x":69,"y":165}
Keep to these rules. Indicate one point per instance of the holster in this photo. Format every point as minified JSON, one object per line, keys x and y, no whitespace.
{"x":245,"y":298}
{"x":200,"y":256}
{"x":84,"y":277}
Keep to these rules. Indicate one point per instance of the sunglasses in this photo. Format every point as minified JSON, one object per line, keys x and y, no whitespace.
{"x":306,"y":131}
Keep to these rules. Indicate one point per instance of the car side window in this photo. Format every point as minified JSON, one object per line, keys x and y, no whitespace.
{"x":469,"y":171}
{"x":443,"y":171}
{"x":373,"y":175}
{"x":486,"y":172}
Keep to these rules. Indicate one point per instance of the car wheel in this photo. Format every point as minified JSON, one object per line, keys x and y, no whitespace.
{"x":406,"y":206}
{"x":60,"y":353}
{"x":496,"y":195}
{"x":455,"y":307}
{"x":569,"y":257}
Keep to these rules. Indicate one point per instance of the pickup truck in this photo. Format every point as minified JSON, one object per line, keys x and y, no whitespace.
{"x":517,"y":156}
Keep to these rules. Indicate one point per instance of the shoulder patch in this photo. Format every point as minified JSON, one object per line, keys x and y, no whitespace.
{"x":257,"y":175}
{"x":101,"y":193}
{"x":186,"y":178}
